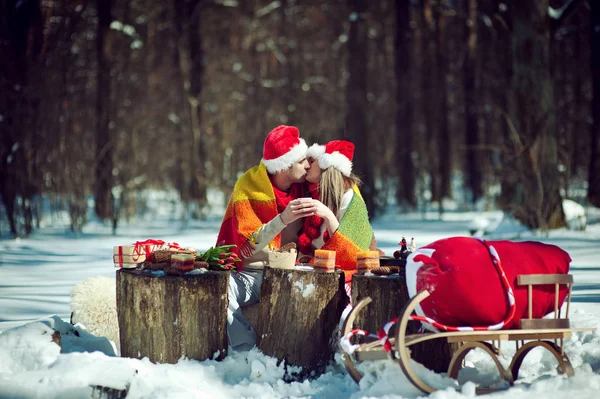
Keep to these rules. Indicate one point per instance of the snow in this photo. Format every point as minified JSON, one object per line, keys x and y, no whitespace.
{"x":575,"y":215}
{"x":306,"y":291}
{"x":38,"y":275}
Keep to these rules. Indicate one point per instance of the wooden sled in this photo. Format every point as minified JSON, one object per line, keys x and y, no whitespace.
{"x":546,"y":333}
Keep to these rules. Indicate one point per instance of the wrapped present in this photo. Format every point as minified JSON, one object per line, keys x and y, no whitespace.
{"x":181,"y":262}
{"x":130,"y":256}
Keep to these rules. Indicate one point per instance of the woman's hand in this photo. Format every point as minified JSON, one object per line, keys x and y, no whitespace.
{"x":296,"y":209}
{"x":322,"y":211}
{"x":304,"y":207}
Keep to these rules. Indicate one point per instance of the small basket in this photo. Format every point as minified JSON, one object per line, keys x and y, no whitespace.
{"x":283,"y":260}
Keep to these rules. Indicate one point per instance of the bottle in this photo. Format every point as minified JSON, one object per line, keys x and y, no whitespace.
{"x":413,"y":245}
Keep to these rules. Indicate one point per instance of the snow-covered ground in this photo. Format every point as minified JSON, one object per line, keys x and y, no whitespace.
{"x":38,"y":274}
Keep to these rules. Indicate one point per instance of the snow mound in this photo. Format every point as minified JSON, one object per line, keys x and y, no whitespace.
{"x":27,"y":348}
{"x":574,"y":215}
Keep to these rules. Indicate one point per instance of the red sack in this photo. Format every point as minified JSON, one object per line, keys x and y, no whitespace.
{"x":466,"y":286}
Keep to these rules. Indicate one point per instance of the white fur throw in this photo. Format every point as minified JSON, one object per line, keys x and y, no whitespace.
{"x":94,"y":305}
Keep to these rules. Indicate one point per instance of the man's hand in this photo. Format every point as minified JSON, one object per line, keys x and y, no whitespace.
{"x":298,"y":208}
{"x":304,"y":207}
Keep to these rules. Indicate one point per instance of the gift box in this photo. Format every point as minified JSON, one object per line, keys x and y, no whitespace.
{"x":129,"y":256}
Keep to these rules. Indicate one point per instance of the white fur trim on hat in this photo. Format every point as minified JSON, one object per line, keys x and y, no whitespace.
{"x":315,"y":151}
{"x":338,"y":161}
{"x":286,"y":160}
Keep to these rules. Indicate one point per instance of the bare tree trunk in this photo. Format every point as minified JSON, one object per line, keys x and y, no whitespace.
{"x":444,"y":150}
{"x":405,"y":192}
{"x":10,"y":37}
{"x":419,"y":56}
{"x":429,"y":84}
{"x":21,"y":37}
{"x":356,"y":117}
{"x":182,"y":174}
{"x":501,"y":97}
{"x":594,"y":171}
{"x":536,"y":201}
{"x":104,"y":147}
{"x":471,"y":71}
{"x":190,"y":61}
{"x":198,"y":189}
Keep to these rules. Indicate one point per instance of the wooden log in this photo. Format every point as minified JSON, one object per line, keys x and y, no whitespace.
{"x":100,"y":392}
{"x":389,"y":295}
{"x":252,"y":313}
{"x":299,"y":315}
{"x":391,"y":261}
{"x":166,"y":318}
{"x":56,"y":338}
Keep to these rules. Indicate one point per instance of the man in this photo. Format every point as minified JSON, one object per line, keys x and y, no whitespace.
{"x":265,"y":211}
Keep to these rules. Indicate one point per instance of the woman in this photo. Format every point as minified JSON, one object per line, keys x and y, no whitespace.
{"x":341,"y":222}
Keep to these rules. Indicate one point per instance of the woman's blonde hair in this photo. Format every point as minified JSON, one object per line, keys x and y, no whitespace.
{"x":333,"y":185}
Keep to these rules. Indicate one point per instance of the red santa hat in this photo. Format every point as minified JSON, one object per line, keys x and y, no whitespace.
{"x":336,"y":153}
{"x":283,"y":147}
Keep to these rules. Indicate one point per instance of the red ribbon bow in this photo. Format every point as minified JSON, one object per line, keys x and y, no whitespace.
{"x":146,"y":245}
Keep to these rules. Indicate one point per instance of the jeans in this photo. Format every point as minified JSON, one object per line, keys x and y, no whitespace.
{"x":244,"y":290}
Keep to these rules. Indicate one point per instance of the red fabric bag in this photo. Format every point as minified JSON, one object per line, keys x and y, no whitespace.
{"x":466,"y":286}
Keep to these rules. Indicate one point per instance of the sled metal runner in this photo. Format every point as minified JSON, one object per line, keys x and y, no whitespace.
{"x":548,"y":333}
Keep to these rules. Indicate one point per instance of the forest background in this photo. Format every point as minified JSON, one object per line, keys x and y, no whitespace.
{"x":482,"y":103}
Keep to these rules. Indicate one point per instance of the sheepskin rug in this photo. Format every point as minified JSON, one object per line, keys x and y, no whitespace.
{"x":94,"y":305}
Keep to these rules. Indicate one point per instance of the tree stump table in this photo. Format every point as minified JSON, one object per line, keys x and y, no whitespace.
{"x":299,"y":312}
{"x":389,"y":295}
{"x":166,"y":318}
{"x":251,"y":314}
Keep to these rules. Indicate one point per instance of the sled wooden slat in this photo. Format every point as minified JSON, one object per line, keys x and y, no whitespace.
{"x":503,"y":335}
{"x":542,"y":324}
{"x":370,"y":354}
{"x":546,"y":333}
{"x":544,"y":279}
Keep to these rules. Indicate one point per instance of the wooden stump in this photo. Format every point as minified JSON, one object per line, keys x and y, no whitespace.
{"x":251,"y":313}
{"x":299,"y":315}
{"x":100,"y":392}
{"x":56,"y":338}
{"x":166,"y":317}
{"x":389,"y":295}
